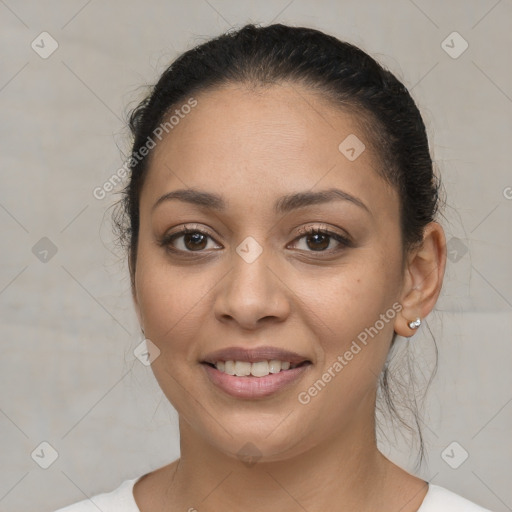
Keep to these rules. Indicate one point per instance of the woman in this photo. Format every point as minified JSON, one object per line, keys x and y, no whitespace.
{"x":280,"y":226}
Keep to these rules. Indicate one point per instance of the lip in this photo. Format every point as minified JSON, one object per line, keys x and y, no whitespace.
{"x":250,"y":387}
{"x":253,"y":355}
{"x":253,"y":387}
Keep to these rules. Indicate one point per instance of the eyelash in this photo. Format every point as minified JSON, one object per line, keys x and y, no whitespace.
{"x":167,"y":240}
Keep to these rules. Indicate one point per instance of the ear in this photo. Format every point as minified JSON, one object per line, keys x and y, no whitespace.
{"x":423,"y":279}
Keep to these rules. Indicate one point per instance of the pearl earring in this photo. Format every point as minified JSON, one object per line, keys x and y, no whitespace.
{"x":415,"y":323}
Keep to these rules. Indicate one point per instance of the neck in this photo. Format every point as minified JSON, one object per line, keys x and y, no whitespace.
{"x":347,"y":468}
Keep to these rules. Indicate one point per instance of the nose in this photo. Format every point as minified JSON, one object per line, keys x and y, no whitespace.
{"x":253,"y":294}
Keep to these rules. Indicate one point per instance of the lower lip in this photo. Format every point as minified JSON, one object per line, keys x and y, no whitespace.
{"x":254,"y":387}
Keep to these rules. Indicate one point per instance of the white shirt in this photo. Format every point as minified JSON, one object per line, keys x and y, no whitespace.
{"x":437,"y":499}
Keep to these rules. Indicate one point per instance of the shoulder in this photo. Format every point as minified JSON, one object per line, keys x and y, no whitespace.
{"x":118,"y":500}
{"x":439,"y":499}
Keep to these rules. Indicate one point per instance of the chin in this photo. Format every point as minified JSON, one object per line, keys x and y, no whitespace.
{"x":251,"y":439}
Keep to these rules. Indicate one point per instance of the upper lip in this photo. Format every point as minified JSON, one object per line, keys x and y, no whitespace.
{"x":265,"y":353}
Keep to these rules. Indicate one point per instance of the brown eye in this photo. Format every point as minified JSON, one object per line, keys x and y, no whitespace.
{"x":187,"y":240}
{"x":194,"y":241}
{"x":319,"y":240}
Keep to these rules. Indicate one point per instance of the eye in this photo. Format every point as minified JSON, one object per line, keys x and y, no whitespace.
{"x":187,"y":240}
{"x":319,"y":240}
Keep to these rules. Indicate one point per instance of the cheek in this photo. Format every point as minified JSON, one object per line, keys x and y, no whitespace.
{"x":348,"y":299}
{"x":176,"y":305}
{"x":168,"y":296}
{"x":167,"y":303}
{"x":170,"y":301}
{"x":352,"y":338}
{"x":351,"y":317}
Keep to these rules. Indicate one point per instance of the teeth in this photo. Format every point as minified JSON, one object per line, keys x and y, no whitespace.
{"x":242,"y":368}
{"x":274,"y":366}
{"x":229,"y":368}
{"x":258,"y":369}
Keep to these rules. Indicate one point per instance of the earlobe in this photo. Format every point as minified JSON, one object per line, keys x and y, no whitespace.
{"x":411,"y":316}
{"x":423,"y":280}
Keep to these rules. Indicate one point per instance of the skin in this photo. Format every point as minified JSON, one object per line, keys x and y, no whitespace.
{"x":253,"y":146}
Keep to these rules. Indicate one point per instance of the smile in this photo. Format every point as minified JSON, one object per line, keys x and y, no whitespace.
{"x":256,"y":369}
{"x":254,"y":373}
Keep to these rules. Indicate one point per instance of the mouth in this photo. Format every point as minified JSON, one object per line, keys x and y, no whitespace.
{"x":256,"y":373}
{"x":256,"y":369}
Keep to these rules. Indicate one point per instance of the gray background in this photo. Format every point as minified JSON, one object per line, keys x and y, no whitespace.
{"x":68,"y":373}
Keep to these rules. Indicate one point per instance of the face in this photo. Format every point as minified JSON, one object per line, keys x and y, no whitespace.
{"x":250,"y":283}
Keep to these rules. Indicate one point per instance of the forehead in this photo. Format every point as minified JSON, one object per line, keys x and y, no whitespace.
{"x":248,"y":143}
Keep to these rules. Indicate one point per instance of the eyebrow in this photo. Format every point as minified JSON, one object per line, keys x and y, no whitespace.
{"x":284,"y":204}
